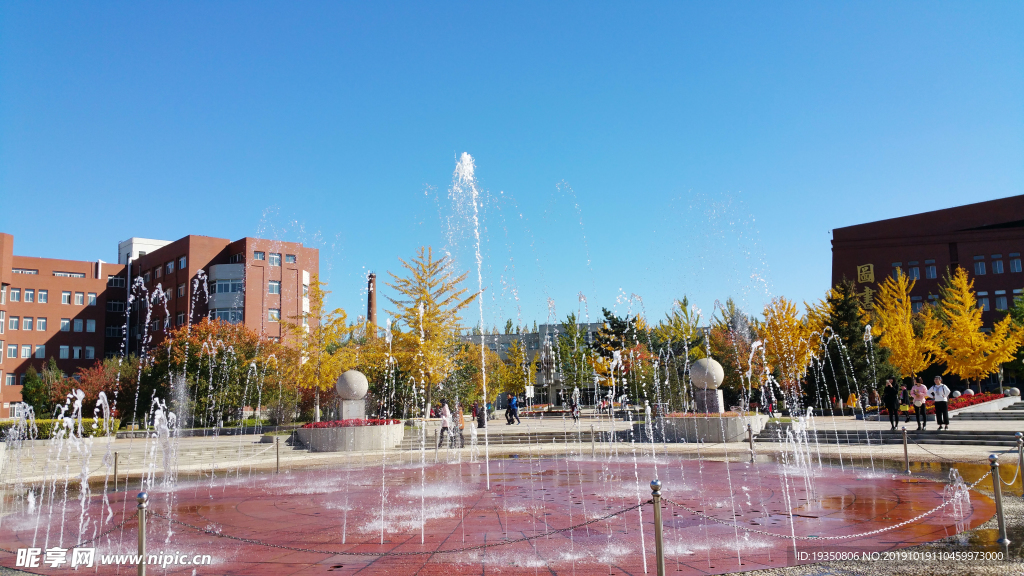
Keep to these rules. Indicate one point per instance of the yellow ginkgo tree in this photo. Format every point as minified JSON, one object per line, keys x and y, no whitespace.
{"x":965,"y":350}
{"x":911,"y":350}
{"x":786,"y":336}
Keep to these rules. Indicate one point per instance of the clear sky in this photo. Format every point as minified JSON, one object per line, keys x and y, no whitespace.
{"x":648,"y":149}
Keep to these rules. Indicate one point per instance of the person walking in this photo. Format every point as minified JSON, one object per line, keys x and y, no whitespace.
{"x":480,"y":415}
{"x":891,"y":401}
{"x":462,"y":426}
{"x":513,"y":406}
{"x":940,"y":394}
{"x":508,"y":411}
{"x":919,"y":394}
{"x":905,"y":401}
{"x":446,"y":423}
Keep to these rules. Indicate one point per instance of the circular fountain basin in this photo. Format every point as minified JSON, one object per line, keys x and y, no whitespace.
{"x":352,"y":438}
{"x":441,"y":518}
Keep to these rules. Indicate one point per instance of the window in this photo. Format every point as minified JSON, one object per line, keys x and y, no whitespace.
{"x":112,"y":331}
{"x":115,"y":281}
{"x":30,"y":295}
{"x":158,"y":272}
{"x":92,"y":299}
{"x":79,"y":298}
{"x":305,"y":290}
{"x":27,"y":322}
{"x":289,"y":258}
{"x":69,"y":274}
{"x":90,"y":325}
{"x":274,"y":288}
{"x":41,"y":324}
{"x":3,"y":294}
{"x":275,"y":259}
{"x":90,"y":353}
{"x":65,"y":297}
{"x":236,"y":258}
{"x":1018,"y":294}
{"x":983,"y":301}
{"x":181,"y":263}
{"x":10,"y":380}
{"x":225,"y":286}
{"x":76,"y":353}
{"x":145,"y":277}
{"x":64,"y":352}
{"x":15,"y":294}
{"x":1014,"y":261}
{"x":26,"y":351}
{"x":979,"y":266}
{"x":274,"y":315}
{"x":24,"y":271}
{"x":1000,"y":299}
{"x":231,"y":315}
{"x":914,"y":273}
{"x":181,"y":290}
{"x":169,"y":294}
{"x":259,"y":255}
{"x":997,"y":266}
{"x":78,"y":324}
{"x":115,"y":306}
{"x":65,"y":324}
{"x":41,"y":351}
{"x":3,"y":322}
{"x":14,"y":322}
{"x":12,"y":350}
{"x":896,"y":267}
{"x":181,"y":318}
{"x":44,"y":296}
{"x":169,"y":267}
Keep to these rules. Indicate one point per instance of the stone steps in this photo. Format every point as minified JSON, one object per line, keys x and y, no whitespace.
{"x":862,"y":437}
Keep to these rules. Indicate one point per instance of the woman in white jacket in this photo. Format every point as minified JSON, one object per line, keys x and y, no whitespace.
{"x":940,"y":394}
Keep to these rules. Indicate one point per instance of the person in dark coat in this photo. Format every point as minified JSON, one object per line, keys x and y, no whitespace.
{"x":891,"y":401}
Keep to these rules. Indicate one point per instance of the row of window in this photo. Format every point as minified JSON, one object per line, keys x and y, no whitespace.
{"x":43,"y":296}
{"x":981,"y":267}
{"x":1000,"y":297}
{"x":275,"y":258}
{"x":168,"y":268}
{"x":66,"y":324}
{"x":39,"y":351}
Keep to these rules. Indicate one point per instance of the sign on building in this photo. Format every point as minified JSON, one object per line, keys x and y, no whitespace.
{"x":866,"y":273}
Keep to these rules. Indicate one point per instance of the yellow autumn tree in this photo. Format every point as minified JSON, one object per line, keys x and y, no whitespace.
{"x":428,"y":304}
{"x":516,"y":373}
{"x":819,"y":314}
{"x":315,"y":338}
{"x":967,"y":351}
{"x":910,"y":351}
{"x":786,"y":340}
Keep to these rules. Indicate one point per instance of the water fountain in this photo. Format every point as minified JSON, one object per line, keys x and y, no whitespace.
{"x":379,"y":506}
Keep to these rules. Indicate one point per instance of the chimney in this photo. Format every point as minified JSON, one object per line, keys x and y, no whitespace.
{"x":371,"y":300}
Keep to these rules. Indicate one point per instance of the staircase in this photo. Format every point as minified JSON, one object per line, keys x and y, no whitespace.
{"x":776,"y":433}
{"x":1011,"y":412}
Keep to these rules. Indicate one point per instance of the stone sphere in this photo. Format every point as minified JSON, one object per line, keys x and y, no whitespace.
{"x":955,"y":394}
{"x":1013,"y":392}
{"x":968,"y":392}
{"x":352,"y":385}
{"x":706,"y":373}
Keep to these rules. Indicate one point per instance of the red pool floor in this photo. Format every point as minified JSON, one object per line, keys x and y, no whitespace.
{"x":435,"y":519}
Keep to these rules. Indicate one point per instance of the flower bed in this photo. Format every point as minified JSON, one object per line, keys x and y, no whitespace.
{"x":351,"y":423}
{"x":954,"y":403}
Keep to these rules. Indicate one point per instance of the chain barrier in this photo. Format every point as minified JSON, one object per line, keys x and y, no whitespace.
{"x":1011,"y":482}
{"x":943,"y":458}
{"x":393,"y":553}
{"x":96,"y":537}
{"x":844,"y":537}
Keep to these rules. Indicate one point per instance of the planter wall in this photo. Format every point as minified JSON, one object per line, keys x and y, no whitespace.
{"x":352,"y":439}
{"x":709,"y":429}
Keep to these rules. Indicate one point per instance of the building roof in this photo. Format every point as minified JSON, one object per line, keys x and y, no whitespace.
{"x":993,"y":214}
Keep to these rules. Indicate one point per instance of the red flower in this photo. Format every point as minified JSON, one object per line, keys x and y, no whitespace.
{"x":351,"y":422}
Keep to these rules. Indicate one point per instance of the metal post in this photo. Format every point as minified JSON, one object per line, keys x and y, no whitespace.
{"x":278,"y":442}
{"x":750,"y":438}
{"x":143,"y":498}
{"x":997,"y":488}
{"x":115,"y":471}
{"x":593,"y":443}
{"x":1020,"y":460}
{"x":906,"y":455}
{"x":659,"y":546}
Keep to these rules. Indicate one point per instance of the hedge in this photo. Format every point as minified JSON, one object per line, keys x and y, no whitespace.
{"x":45,"y":427}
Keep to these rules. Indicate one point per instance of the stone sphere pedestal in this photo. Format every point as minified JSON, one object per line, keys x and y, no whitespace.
{"x":707,"y":375}
{"x":352,"y":387}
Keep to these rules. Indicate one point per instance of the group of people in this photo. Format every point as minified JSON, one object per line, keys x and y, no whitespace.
{"x":917,"y":396}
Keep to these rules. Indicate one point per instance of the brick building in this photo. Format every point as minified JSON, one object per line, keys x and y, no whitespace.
{"x":77,"y":312}
{"x":986,"y":239}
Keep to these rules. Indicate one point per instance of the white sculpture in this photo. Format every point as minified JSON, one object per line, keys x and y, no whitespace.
{"x":707,"y":373}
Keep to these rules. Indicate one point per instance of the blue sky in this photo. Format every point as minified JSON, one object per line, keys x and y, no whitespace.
{"x":647,"y":149}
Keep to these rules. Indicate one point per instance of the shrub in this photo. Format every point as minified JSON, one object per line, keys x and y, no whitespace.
{"x":45,"y":428}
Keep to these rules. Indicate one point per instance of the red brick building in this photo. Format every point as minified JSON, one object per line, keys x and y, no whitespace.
{"x":78,"y":312}
{"x":986,"y":239}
